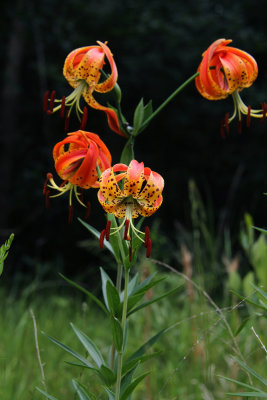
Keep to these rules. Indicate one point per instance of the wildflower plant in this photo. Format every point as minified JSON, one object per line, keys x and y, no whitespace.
{"x":125,"y":190}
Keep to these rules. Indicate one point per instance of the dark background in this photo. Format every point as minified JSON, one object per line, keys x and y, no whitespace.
{"x":156,"y":45}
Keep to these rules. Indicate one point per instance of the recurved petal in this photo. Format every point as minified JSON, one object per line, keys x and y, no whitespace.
{"x":134,"y":179}
{"x":147,"y":210}
{"x":152,"y":190}
{"x":109,"y":187}
{"x":109,"y":83}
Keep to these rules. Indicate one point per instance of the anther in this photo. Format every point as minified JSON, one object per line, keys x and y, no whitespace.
{"x":67,"y":121}
{"x":126,"y":236}
{"x":62,"y":109}
{"x":264,"y":111}
{"x":70,"y":217}
{"x":108,"y":229}
{"x":248,"y":116}
{"x":101,"y":238}
{"x":48,"y":177}
{"x":148,"y":249}
{"x":84,"y":118}
{"x":130,"y":252}
{"x":47,"y":199}
{"x":88,"y":210}
{"x":52,"y":101}
{"x":45,"y":102}
{"x":222,"y":130}
{"x":147,"y":235}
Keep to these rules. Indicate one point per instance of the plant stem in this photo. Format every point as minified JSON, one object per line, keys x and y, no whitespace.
{"x":178,"y":90}
{"x":123,"y":322}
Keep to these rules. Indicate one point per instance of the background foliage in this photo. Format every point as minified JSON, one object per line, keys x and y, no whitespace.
{"x":156,"y":45}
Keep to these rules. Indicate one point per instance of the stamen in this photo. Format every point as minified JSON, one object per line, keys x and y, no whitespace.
{"x":45,"y":102}
{"x":147,"y":235}
{"x":101,"y":238}
{"x":84,"y":118}
{"x":264,"y":111}
{"x":130,"y":252}
{"x":62,"y":109}
{"x":52,"y":101}
{"x":67,"y":121}
{"x":70,"y":217}
{"x":88,"y":210}
{"x":108,"y":229}
{"x":148,"y":249}
{"x":47,"y":199}
{"x":248,"y":116}
{"x":126,"y":236}
{"x":48,"y":177}
{"x":239,"y":126}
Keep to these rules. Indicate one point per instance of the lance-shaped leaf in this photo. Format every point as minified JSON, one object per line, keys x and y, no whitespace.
{"x":111,"y":395}
{"x":107,"y":375}
{"x":129,"y":365}
{"x":117,"y":333}
{"x":82,"y":391}
{"x":48,"y":396}
{"x":142,"y":350}
{"x":128,"y":391}
{"x":89,"y":294}
{"x":72,"y":352}
{"x":104,"y":279}
{"x":113,"y":299}
{"x":127,"y":154}
{"x":90,"y":346}
{"x":138,"y":116}
{"x":148,"y":111}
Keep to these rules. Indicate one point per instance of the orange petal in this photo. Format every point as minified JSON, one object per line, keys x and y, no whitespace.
{"x":134,"y":179}
{"x":110,"y":82}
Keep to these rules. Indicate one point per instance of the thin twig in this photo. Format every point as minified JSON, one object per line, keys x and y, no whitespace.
{"x":259,"y":339}
{"x":38,"y":351}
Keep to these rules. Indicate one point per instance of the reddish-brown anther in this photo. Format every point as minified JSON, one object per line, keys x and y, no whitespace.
{"x":62,"y":109}
{"x":264,"y":111}
{"x":47,"y":198}
{"x":101,"y":238}
{"x":126,"y":236}
{"x":48,"y":177}
{"x":67,"y":122}
{"x":45,"y":102}
{"x":84,"y":118}
{"x":70,"y":217}
{"x":52,"y":101}
{"x":222,"y":130}
{"x":108,"y":229}
{"x":88,"y":210}
{"x":130,"y":252}
{"x":149,"y":247}
{"x":248,"y":116}
{"x":147,"y":235}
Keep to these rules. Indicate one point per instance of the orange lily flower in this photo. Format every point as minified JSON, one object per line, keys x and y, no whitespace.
{"x":141,"y":195}
{"x":77,"y":159}
{"x":225,"y":71}
{"x":82,"y":69}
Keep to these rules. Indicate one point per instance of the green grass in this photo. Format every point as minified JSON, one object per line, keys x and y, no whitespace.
{"x":194,"y":351}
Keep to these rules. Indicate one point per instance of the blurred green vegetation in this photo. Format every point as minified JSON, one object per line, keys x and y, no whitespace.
{"x":156,"y":45}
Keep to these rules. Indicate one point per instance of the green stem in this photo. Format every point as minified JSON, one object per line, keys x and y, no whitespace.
{"x":118,"y":287}
{"x":123,"y":322}
{"x":178,"y":90}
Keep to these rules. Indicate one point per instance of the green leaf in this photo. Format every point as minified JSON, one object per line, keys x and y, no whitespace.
{"x":96,"y":233}
{"x":128,"y":391}
{"x":4,"y":251}
{"x":248,"y":394}
{"x":113,"y":299}
{"x":139,"y":293}
{"x":45,"y":394}
{"x":147,"y":303}
{"x":89,"y":294}
{"x":260,"y":291}
{"x":104,"y":279}
{"x":115,"y":240}
{"x":127,"y":366}
{"x":117,"y":333}
{"x":239,"y":383}
{"x":72,"y":352}
{"x":138,"y":353}
{"x":148,"y":111}
{"x":251,"y":371}
{"x":90,"y":346}
{"x":240,"y":328}
{"x":260,"y":229}
{"x":82,"y":391}
{"x":127,"y":154}
{"x":111,"y":395}
{"x":138,"y":116}
{"x":107,"y":375}
{"x":249,"y":301}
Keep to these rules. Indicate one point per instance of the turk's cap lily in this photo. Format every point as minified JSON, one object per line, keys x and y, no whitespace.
{"x":78,"y":159}
{"x":129,"y":192}
{"x":83,"y":71}
{"x":224,"y":70}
